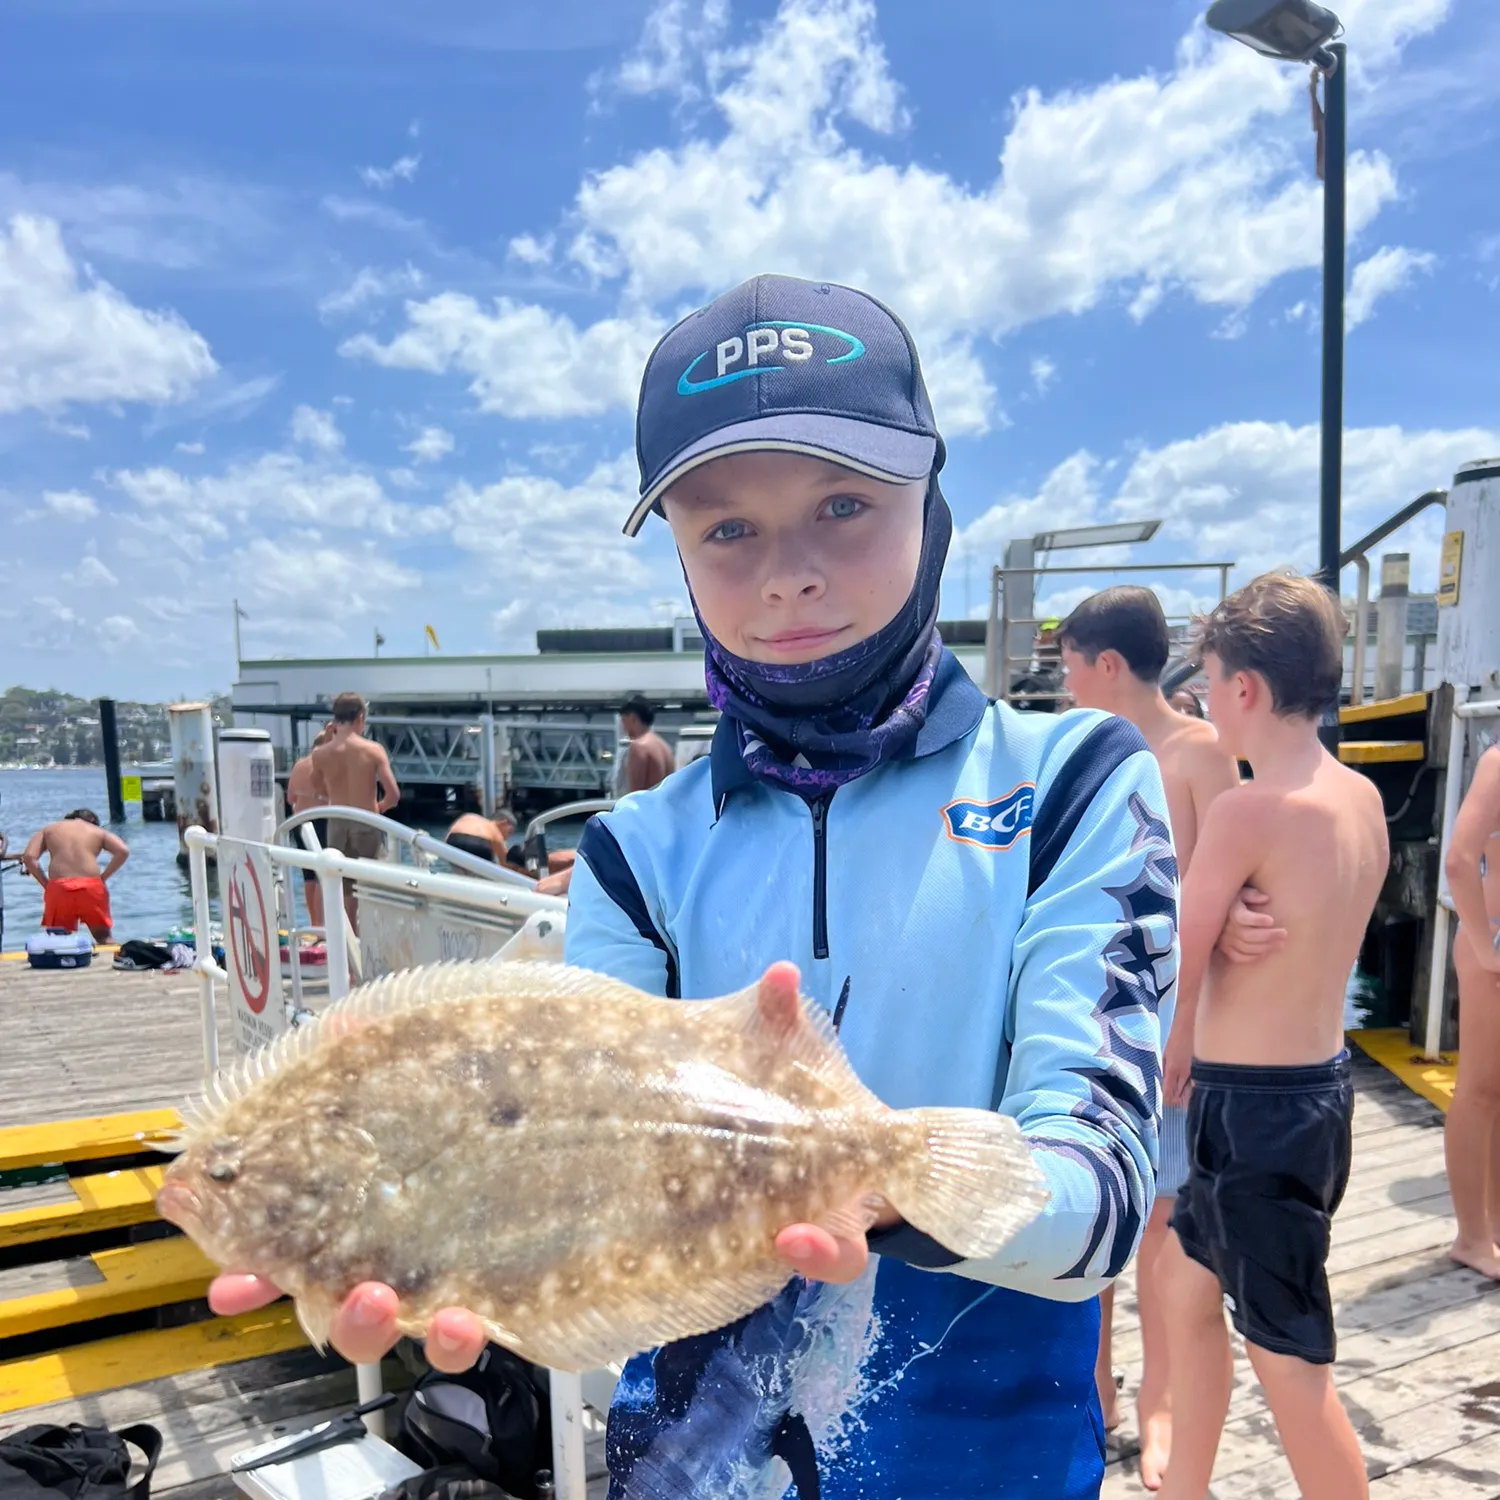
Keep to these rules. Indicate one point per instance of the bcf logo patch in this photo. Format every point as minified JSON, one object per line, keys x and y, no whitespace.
{"x":991,"y":825}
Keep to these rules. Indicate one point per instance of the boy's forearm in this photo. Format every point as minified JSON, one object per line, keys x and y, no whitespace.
{"x":1467,"y":890}
{"x":1100,"y":1196}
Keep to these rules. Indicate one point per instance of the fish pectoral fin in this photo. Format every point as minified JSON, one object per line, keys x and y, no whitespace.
{"x":852,"y":1220}
{"x":617,"y":1327}
{"x":980,"y":1186}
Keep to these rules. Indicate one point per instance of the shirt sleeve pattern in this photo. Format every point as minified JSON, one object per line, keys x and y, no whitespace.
{"x":1094,"y":962}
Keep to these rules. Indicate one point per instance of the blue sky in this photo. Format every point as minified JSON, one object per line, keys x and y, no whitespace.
{"x":340,"y":309}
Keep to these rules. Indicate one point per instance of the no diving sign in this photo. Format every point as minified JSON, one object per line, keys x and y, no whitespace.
{"x":251,"y":943}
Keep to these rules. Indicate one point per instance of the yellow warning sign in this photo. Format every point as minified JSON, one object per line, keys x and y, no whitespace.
{"x":130,"y":789}
{"x":1450,"y":568}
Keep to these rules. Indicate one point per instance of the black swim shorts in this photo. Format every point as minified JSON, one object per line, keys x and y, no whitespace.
{"x":471,"y":843}
{"x":320,"y":827}
{"x":1268,"y":1161}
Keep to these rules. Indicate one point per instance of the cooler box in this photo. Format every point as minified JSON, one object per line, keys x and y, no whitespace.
{"x":57,"y":948}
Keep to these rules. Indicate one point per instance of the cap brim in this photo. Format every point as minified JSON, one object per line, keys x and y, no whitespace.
{"x":884,"y":453}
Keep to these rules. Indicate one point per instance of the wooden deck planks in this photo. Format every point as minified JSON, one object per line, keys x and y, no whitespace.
{"x":1419,"y":1337}
{"x":98,"y":1041}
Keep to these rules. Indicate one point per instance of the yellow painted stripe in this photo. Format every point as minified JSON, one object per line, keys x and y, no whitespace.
{"x":1386,"y":708}
{"x":133,"y":1358}
{"x":1380,"y":752}
{"x":153,"y":1274}
{"x":83,"y":1140}
{"x":1395,"y":1051}
{"x":19,"y":956}
{"x":110,"y":1200}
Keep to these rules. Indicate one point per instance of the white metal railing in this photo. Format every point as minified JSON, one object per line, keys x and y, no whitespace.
{"x":500,"y":891}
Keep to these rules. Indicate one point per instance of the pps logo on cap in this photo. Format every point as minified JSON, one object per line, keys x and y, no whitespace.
{"x":765,"y":349}
{"x":991,"y":825}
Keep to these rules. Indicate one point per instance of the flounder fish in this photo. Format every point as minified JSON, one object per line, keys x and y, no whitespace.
{"x":592,"y":1170}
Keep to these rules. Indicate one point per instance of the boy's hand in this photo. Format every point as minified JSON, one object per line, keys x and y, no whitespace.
{"x":1177,"y":1070}
{"x":837,"y":1254}
{"x":364,"y":1331}
{"x":1250,"y":934}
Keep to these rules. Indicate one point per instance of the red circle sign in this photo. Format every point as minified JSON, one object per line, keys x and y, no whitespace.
{"x":249,"y":934}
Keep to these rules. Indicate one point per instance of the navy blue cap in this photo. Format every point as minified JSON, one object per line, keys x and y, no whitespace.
{"x":789,"y":366}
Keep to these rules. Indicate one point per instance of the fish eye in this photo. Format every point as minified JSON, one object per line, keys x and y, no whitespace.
{"x":222,"y":1171}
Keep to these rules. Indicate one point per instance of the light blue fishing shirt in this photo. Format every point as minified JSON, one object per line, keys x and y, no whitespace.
{"x":991,"y":921}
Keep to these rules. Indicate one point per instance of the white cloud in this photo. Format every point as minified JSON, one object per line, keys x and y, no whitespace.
{"x":525,"y":360}
{"x":58,"y":628}
{"x":287,"y":487}
{"x":1043,"y":374}
{"x":677,"y":34}
{"x":554,"y":551}
{"x":1192,"y":182}
{"x":1245,"y":493}
{"x":66,"y":336}
{"x":91,"y":573}
{"x":1391,"y":268}
{"x":370,"y":285}
{"x":531,"y":251}
{"x":430,"y":444}
{"x":115,"y":632}
{"x":403,"y":169}
{"x":310,"y":581}
{"x":191,"y":448}
{"x":317,"y":429}
{"x":71,"y":505}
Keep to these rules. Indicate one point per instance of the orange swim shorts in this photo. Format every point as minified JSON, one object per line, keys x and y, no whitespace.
{"x":78,"y":899}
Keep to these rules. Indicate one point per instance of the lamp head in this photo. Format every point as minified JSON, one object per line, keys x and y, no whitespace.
{"x":1292,"y":30}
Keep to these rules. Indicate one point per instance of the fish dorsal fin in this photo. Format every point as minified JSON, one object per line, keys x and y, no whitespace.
{"x":803,"y":1034}
{"x":392,"y":994}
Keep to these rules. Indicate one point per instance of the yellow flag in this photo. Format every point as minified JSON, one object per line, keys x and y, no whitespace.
{"x":432,"y":636}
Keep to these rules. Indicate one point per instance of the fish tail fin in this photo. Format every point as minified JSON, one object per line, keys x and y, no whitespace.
{"x":972,"y":1185}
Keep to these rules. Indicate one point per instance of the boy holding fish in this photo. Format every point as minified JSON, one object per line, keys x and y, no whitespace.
{"x":982,"y":902}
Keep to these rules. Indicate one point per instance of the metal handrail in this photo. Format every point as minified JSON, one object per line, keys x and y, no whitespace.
{"x":1358,"y":554}
{"x":568,"y":810}
{"x":417,"y":838}
{"x":998,"y":658}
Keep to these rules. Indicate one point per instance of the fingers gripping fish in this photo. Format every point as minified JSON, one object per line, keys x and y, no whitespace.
{"x":592,"y":1170}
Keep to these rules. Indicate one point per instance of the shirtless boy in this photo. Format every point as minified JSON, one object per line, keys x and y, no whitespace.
{"x":351,"y":771}
{"x":484,"y":838}
{"x":74,"y":886}
{"x":1261,"y":1048}
{"x":1471,"y":1135}
{"x":300,"y":796}
{"x":1114,"y":650}
{"x":649,"y":761}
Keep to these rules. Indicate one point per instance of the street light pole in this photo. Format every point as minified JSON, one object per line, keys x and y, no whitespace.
{"x":1335,"y":110}
{"x":1304,"y":31}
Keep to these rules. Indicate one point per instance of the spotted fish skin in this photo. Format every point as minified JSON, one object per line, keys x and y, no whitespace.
{"x":590,"y":1169}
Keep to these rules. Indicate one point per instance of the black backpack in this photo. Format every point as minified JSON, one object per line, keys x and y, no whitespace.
{"x":495,"y":1420}
{"x":76,"y":1463}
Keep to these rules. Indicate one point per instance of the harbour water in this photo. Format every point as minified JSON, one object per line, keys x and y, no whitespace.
{"x":149,"y":897}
